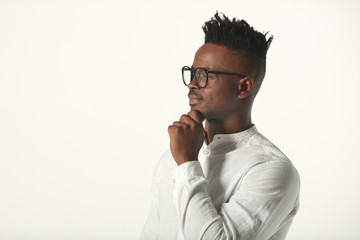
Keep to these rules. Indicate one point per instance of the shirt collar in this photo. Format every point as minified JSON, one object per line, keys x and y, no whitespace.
{"x":235,"y":138}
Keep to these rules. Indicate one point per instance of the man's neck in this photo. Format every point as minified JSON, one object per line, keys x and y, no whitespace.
{"x":213,"y":127}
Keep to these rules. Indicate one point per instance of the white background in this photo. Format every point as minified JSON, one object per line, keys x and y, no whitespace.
{"x":88,"y":88}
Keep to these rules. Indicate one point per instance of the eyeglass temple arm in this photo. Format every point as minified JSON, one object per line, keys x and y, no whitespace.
{"x":227,"y":73}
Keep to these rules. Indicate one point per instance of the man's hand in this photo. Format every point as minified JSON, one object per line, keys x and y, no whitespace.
{"x":186,"y":137}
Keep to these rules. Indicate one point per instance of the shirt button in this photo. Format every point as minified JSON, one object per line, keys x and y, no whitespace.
{"x":255,"y":220}
{"x":174,"y":180}
{"x":205,"y":152}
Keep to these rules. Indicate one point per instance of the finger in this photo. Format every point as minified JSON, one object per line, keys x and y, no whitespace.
{"x":179,"y":124}
{"x":172,"y":129}
{"x":186,"y":119}
{"x":196,"y":116}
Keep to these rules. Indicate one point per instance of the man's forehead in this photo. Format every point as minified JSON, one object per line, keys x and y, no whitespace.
{"x":213,"y":56}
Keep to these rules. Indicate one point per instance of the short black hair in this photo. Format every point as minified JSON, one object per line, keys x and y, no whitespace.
{"x":238,"y":35}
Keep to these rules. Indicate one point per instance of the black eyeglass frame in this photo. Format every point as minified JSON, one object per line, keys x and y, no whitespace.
{"x":193,"y":70}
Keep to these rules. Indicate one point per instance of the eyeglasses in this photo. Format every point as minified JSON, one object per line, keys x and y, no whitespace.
{"x":201,"y":75}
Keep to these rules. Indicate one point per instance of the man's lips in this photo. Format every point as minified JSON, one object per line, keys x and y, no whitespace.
{"x":194,"y":99}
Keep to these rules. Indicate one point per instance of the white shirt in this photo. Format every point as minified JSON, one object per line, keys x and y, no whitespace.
{"x":242,"y":187}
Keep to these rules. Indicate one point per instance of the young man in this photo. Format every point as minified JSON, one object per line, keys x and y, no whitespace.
{"x":224,"y":180}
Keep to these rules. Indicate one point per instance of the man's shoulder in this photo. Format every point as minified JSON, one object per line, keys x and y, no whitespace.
{"x":268,"y":148}
{"x":166,"y":159}
{"x":166,"y":163}
{"x":270,"y":158}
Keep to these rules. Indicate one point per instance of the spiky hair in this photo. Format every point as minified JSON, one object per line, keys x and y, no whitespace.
{"x":236,"y":34}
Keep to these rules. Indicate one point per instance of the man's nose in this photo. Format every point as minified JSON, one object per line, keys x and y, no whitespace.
{"x":193,"y":84}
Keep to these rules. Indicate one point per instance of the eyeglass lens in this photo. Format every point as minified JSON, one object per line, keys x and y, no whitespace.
{"x":200,"y":76}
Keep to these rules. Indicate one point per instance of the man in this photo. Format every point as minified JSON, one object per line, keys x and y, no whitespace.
{"x":224,"y":180}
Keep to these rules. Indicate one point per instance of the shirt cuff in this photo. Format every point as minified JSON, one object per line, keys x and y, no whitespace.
{"x":187,"y":173}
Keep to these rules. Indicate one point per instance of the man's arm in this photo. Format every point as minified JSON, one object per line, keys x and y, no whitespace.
{"x":259,"y":208}
{"x":152,"y":225}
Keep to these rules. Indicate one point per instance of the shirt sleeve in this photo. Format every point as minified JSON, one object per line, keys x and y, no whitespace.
{"x":152,"y":224}
{"x":151,"y":227}
{"x":262,"y":203}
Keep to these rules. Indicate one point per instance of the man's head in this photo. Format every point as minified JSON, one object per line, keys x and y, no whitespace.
{"x":250,"y":45}
{"x":231,"y":46}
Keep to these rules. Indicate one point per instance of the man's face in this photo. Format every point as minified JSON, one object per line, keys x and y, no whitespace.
{"x":218,"y":100}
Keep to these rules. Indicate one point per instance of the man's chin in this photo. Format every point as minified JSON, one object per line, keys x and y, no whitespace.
{"x":198,"y":109}
{"x":194,"y":107}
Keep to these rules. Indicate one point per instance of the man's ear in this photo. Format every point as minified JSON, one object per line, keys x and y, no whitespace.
{"x":245,"y":87}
